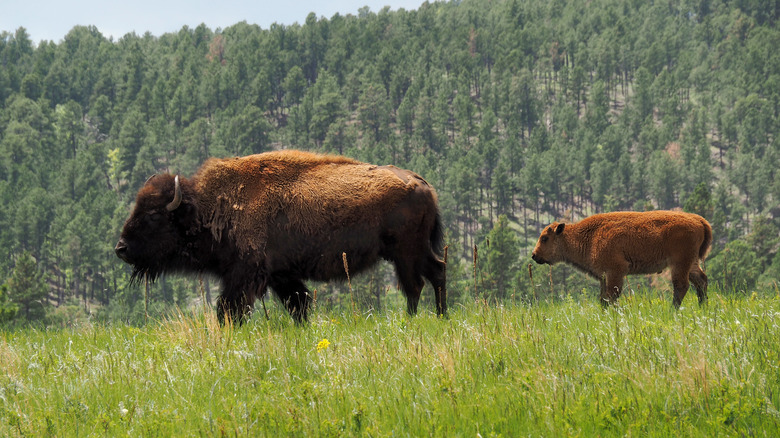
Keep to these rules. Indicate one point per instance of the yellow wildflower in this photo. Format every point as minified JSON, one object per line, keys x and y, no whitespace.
{"x":323,"y":344}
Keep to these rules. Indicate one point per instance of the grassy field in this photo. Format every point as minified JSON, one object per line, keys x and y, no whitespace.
{"x":566,"y":368}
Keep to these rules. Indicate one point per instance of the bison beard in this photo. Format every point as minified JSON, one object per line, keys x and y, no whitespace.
{"x":275,"y":219}
{"x":610,"y":246}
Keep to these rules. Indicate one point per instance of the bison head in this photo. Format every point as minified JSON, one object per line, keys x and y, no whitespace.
{"x":547,"y":248}
{"x":156,"y":235}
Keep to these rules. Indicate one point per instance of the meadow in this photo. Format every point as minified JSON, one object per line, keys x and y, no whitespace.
{"x":562,"y":368}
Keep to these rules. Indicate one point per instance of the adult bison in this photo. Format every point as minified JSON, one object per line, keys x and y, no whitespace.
{"x":278,"y":218}
{"x":610,"y":246}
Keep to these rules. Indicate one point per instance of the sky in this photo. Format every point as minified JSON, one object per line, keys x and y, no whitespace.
{"x":53,"y":19}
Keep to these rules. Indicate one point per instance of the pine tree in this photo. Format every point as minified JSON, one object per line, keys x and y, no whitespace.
{"x":700,"y":202}
{"x":27,"y":289}
{"x":7,"y":308}
{"x":502,"y":253}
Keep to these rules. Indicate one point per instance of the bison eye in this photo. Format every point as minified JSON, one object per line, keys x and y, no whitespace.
{"x":155,"y":217}
{"x":544,"y":239}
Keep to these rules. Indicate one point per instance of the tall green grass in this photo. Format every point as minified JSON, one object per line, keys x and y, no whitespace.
{"x":566,"y":368}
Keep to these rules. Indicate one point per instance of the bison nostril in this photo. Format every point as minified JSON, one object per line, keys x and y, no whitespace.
{"x":121,"y":248}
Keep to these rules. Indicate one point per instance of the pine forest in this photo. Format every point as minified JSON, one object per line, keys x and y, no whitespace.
{"x":518,"y":112}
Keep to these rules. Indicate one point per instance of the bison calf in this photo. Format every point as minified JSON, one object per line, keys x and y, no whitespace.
{"x":610,"y":246}
{"x":275,"y":219}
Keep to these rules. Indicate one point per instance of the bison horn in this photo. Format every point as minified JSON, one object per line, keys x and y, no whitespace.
{"x":176,"y":197}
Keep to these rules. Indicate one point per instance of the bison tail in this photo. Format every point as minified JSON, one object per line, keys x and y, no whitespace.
{"x":437,"y":236}
{"x":705,"y":246}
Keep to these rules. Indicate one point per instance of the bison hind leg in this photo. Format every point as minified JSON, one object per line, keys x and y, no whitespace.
{"x":410,"y":274}
{"x":411,"y":284}
{"x":699,"y":280}
{"x":295,"y":296}
{"x":435,"y":271}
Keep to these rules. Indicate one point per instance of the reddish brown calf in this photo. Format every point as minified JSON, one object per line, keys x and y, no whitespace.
{"x":610,"y":246}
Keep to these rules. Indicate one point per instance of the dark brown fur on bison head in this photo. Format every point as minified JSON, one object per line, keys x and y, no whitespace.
{"x":162,"y":227}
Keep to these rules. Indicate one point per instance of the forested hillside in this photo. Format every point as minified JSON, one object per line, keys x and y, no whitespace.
{"x":519,"y":112}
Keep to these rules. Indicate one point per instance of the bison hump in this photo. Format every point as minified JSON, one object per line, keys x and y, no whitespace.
{"x":300,"y":193}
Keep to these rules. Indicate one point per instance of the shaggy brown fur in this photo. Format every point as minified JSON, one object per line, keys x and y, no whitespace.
{"x":277,"y":218}
{"x":610,"y":246}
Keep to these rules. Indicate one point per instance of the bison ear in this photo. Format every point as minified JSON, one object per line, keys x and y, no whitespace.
{"x":186,"y":215}
{"x":559,"y":228}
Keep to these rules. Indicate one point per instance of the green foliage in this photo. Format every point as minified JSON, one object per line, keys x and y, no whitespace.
{"x":535,"y":110}
{"x":8,"y":309}
{"x":27,"y":289}
{"x":501,"y":256}
{"x":735,"y":268}
{"x":700,"y":202}
{"x":771,"y":277}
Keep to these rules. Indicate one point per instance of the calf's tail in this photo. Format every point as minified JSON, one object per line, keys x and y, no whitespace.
{"x":705,"y":245}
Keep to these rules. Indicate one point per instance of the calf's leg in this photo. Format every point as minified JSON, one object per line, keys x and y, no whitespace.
{"x":699,"y":280}
{"x":611,"y":286}
{"x":680,"y":284}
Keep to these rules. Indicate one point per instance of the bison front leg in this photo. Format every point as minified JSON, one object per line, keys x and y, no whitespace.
{"x":233,"y":307}
{"x":294,"y":295}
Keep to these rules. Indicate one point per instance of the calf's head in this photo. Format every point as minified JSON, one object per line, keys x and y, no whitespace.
{"x":154,"y":237}
{"x":548,"y":247}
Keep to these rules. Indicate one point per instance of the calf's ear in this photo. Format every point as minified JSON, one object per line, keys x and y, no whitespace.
{"x":559,"y":228}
